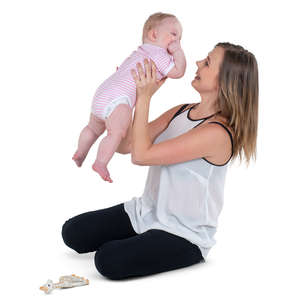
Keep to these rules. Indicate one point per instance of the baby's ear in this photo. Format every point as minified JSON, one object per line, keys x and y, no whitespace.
{"x":152,"y":35}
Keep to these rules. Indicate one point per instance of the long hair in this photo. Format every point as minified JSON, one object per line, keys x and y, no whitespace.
{"x":238,"y":98}
{"x":153,"y":21}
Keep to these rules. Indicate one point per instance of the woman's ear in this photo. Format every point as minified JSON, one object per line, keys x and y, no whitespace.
{"x":152,"y":35}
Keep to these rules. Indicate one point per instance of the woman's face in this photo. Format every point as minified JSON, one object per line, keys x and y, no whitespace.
{"x":206,"y":79}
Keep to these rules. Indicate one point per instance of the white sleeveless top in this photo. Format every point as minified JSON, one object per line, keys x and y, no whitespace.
{"x":184,"y":199}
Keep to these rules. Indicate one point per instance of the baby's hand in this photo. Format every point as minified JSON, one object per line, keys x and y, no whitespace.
{"x":174,"y":46}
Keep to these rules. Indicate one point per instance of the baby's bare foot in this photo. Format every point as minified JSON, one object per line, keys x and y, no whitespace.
{"x":78,"y":159}
{"x":101,"y":169}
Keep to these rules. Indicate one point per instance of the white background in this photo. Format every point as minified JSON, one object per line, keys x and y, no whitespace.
{"x":54,"y":54}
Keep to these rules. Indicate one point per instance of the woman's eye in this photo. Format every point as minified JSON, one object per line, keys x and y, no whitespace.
{"x":206,"y":63}
{"x":174,"y":33}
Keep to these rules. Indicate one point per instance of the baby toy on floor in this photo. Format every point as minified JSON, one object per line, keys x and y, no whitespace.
{"x":67,"y":281}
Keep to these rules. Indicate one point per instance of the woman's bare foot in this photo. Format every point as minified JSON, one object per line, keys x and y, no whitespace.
{"x":101,"y":169}
{"x":78,"y":159}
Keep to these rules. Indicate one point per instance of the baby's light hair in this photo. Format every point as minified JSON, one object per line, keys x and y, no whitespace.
{"x":153,"y":21}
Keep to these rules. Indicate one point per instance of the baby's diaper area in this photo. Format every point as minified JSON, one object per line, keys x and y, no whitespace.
{"x":114,"y":103}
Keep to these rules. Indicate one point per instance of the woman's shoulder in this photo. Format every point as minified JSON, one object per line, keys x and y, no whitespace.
{"x":189,"y":105}
{"x":172,"y":112}
{"x":181,"y":108}
{"x":215,"y":119}
{"x":163,"y":121}
{"x":221,"y":121}
{"x":218,"y":129}
{"x":224,"y":130}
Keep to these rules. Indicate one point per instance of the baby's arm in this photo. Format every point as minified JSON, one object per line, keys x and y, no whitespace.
{"x":179,"y":59}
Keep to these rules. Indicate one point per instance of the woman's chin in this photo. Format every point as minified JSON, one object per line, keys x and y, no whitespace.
{"x":194,"y":85}
{"x":198,"y":89}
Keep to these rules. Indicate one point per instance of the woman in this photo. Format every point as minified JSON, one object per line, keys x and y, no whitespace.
{"x":173,"y":223}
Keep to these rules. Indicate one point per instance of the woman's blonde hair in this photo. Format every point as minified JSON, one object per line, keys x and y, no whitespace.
{"x":238,"y":98}
{"x":153,"y":21}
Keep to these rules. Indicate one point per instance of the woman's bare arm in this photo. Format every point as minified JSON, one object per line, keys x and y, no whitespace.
{"x":155,"y":128}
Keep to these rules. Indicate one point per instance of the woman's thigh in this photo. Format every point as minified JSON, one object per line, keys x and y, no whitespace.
{"x":151,"y":252}
{"x":88,"y":231}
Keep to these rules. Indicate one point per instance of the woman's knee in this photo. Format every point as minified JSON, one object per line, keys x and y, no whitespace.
{"x":72,"y":235}
{"x":109,"y":262}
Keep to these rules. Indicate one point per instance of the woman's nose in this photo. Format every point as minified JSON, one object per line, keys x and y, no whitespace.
{"x":200,"y":63}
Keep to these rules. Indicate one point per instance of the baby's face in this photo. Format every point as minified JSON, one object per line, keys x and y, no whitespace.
{"x":168,"y":31}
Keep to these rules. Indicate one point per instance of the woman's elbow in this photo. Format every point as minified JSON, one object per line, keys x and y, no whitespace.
{"x":136,"y":160}
{"x":123,"y":151}
{"x":133,"y":159}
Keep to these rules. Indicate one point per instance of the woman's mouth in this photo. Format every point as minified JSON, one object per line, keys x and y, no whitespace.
{"x":197,"y":77}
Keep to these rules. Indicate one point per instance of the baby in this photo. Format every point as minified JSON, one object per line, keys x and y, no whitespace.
{"x":115,"y":97}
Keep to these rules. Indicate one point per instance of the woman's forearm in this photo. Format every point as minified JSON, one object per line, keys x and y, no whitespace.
{"x":141,"y":140}
{"x":147,"y":85}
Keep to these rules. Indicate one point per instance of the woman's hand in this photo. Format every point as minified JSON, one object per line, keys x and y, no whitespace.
{"x":146,"y":82}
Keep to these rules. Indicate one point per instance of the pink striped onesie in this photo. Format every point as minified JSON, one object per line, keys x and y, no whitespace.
{"x":120,"y":86}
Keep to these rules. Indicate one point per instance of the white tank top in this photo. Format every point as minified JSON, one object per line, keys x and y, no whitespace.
{"x":184,"y":199}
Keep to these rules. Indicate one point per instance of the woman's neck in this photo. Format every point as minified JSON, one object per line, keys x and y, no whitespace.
{"x":206,"y":108}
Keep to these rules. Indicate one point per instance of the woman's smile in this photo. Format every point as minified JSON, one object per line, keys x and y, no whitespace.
{"x":197,"y":77}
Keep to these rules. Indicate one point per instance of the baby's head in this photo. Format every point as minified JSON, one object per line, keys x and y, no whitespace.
{"x":161,"y":29}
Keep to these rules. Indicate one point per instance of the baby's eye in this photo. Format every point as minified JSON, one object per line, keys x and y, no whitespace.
{"x":206,"y":63}
{"x":174,"y":33}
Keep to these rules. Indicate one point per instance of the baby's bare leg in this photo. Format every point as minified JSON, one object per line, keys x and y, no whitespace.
{"x":117,"y":124}
{"x":87,"y":138}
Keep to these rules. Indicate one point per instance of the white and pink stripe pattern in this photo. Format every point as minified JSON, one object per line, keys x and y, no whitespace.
{"x":121,"y":82}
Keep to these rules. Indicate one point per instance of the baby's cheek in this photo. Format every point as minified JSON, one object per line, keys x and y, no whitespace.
{"x":167,"y":40}
{"x":172,"y":39}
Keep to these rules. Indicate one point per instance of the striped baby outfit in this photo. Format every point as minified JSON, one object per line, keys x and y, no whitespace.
{"x":120,"y":86}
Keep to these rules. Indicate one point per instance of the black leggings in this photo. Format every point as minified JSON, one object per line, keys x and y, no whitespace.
{"x":120,"y":251}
